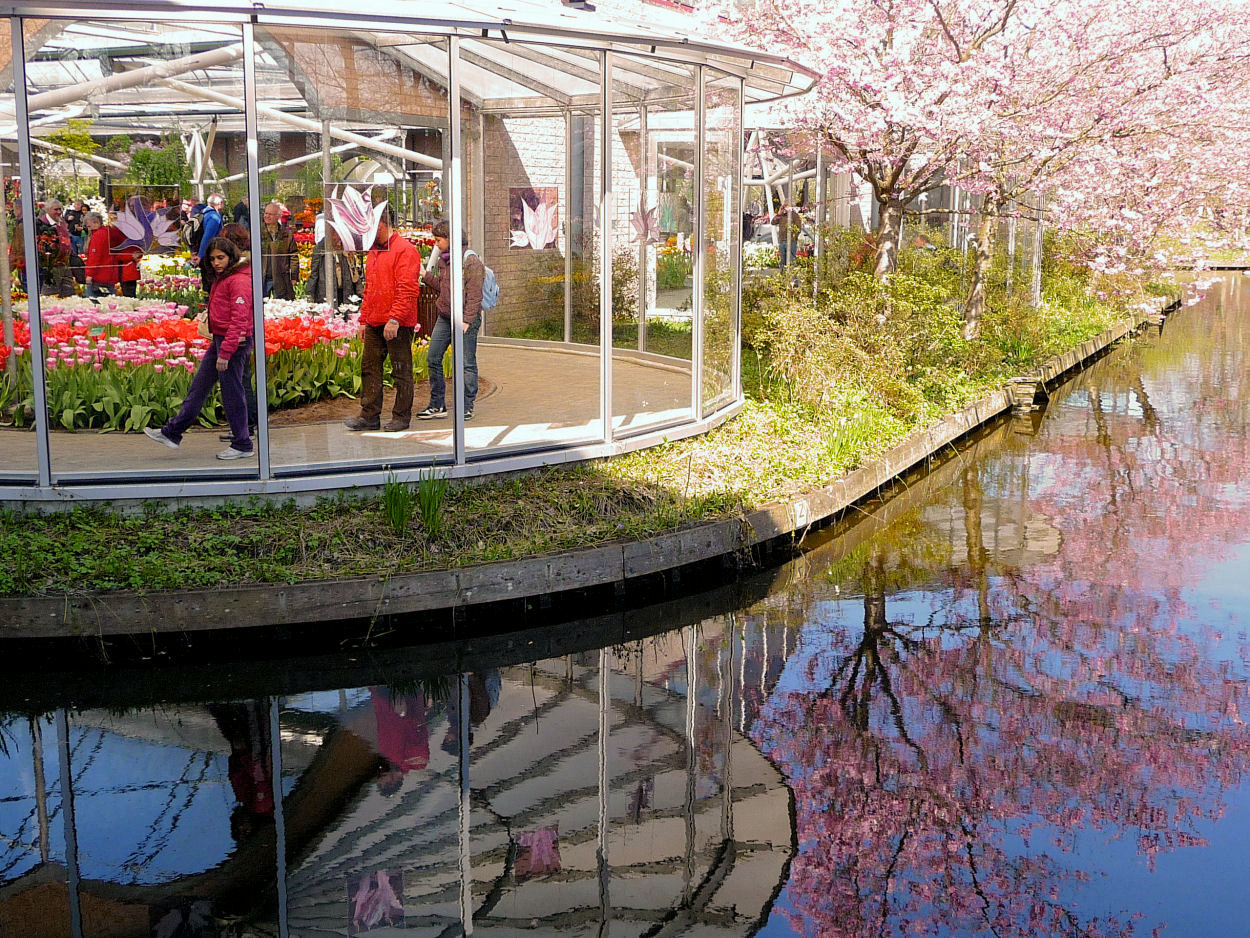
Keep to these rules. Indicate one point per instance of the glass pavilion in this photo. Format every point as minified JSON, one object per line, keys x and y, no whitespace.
{"x":594,"y":162}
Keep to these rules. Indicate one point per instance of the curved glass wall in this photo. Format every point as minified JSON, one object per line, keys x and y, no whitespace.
{"x":607,"y":212}
{"x":654,"y":116}
{"x":722,"y":227}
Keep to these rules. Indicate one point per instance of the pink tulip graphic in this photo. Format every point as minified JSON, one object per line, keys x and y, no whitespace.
{"x":539,"y":226}
{"x":354,"y":217}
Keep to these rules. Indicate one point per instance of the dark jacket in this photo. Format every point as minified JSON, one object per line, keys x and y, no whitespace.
{"x":346,"y":282}
{"x":474,"y":275}
{"x":279,"y":260}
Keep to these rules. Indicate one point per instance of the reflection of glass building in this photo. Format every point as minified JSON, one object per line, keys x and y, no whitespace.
{"x":592,"y":162}
{"x":596,"y":793}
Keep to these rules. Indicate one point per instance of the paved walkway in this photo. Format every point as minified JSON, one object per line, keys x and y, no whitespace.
{"x":540,"y":396}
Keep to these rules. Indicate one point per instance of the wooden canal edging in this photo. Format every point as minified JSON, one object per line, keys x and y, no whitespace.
{"x":122,"y":613}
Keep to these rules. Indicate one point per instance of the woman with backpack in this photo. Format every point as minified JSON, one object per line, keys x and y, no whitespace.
{"x":438,"y":277}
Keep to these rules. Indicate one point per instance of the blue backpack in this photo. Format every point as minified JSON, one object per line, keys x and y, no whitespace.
{"x":490,"y":286}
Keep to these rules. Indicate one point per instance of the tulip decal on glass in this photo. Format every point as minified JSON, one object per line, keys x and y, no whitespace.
{"x":143,"y":227}
{"x":534,"y":217}
{"x":354,"y":216}
{"x":646,"y":225}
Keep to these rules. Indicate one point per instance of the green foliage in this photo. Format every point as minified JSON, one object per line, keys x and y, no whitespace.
{"x":431,"y":500}
{"x":162,"y":164}
{"x":398,"y":502}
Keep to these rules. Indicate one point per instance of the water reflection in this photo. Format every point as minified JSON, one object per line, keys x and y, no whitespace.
{"x":1010,"y":700}
{"x":556,"y":797}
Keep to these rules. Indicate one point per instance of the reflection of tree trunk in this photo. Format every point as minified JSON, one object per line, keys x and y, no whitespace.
{"x":1150,"y":416}
{"x":866,"y":667}
{"x":974,"y":545}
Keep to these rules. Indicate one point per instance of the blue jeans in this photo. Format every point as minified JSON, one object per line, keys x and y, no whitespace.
{"x":440,"y":342}
{"x":232,"y":397}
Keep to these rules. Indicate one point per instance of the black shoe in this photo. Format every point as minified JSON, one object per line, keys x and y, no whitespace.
{"x":468,"y":413}
{"x":229,"y":437}
{"x":360,"y":423}
{"x":432,"y":413}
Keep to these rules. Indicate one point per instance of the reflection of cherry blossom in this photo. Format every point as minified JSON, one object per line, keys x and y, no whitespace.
{"x":646,"y":226}
{"x":354,"y":217}
{"x":539,"y":853}
{"x":144,"y":228}
{"x":540,"y":226}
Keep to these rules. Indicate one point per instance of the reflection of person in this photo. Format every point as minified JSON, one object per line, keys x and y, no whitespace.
{"x":388,"y":319}
{"x":439,"y":278}
{"x":55,"y":248}
{"x":242,"y":214}
{"x":344,"y":275}
{"x":484,"y":688}
{"x":789,"y":225}
{"x":403,"y":735}
{"x":75,"y":219}
{"x":245,"y":726}
{"x":211,"y":222}
{"x":127,"y":261}
{"x":101,"y":269}
{"x":279,"y":255}
{"x":230,"y":322}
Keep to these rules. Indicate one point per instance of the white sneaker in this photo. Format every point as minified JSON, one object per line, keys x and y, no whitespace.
{"x":232,"y":453}
{"x":159,"y":436}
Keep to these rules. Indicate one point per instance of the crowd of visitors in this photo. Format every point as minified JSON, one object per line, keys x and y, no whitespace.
{"x":83,"y":245}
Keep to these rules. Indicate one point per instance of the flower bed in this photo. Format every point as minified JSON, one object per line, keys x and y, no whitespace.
{"x":127,"y":364}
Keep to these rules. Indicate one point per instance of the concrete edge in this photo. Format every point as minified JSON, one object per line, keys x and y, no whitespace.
{"x":68,"y":615}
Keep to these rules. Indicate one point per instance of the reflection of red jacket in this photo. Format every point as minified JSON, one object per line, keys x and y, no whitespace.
{"x":403,"y":738}
{"x":101,"y":264}
{"x":392,"y":283}
{"x":127,"y":258}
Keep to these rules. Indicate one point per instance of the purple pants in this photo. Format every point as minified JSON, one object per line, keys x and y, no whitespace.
{"x":232,"y":396}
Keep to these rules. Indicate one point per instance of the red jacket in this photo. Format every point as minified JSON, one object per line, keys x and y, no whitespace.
{"x":101,"y":263}
{"x":230,"y":308}
{"x":392,"y":284}
{"x":127,"y":258}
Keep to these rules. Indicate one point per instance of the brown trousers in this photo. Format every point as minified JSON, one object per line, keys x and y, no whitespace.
{"x":376,"y":351}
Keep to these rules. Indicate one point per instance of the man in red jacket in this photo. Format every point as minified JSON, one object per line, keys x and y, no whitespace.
{"x":388,"y":319}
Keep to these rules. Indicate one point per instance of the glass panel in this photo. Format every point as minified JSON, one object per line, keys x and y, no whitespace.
{"x":34,"y":877}
{"x":377,"y":104}
{"x":18,"y":459}
{"x":114,"y":174}
{"x":722,"y":221}
{"x":652,"y":282}
{"x":532,"y":185}
{"x":374,"y":817}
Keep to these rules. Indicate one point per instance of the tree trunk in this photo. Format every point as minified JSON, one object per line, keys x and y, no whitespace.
{"x":983,"y":259}
{"x":889,"y":225}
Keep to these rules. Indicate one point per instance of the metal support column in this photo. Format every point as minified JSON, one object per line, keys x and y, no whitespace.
{"x":33,"y":273}
{"x":258,"y":298}
{"x":607,"y":208}
{"x":455,"y":205}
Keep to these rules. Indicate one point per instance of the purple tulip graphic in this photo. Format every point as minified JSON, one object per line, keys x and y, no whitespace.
{"x":143,"y":228}
{"x":354,"y":216}
{"x":646,"y":226}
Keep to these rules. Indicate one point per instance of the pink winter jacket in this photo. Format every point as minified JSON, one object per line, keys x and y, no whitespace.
{"x":230,"y":308}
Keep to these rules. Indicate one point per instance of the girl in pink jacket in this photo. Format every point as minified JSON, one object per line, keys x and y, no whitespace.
{"x":230,"y":322}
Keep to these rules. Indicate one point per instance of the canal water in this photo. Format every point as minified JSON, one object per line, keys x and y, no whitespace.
{"x":1009,"y":699}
